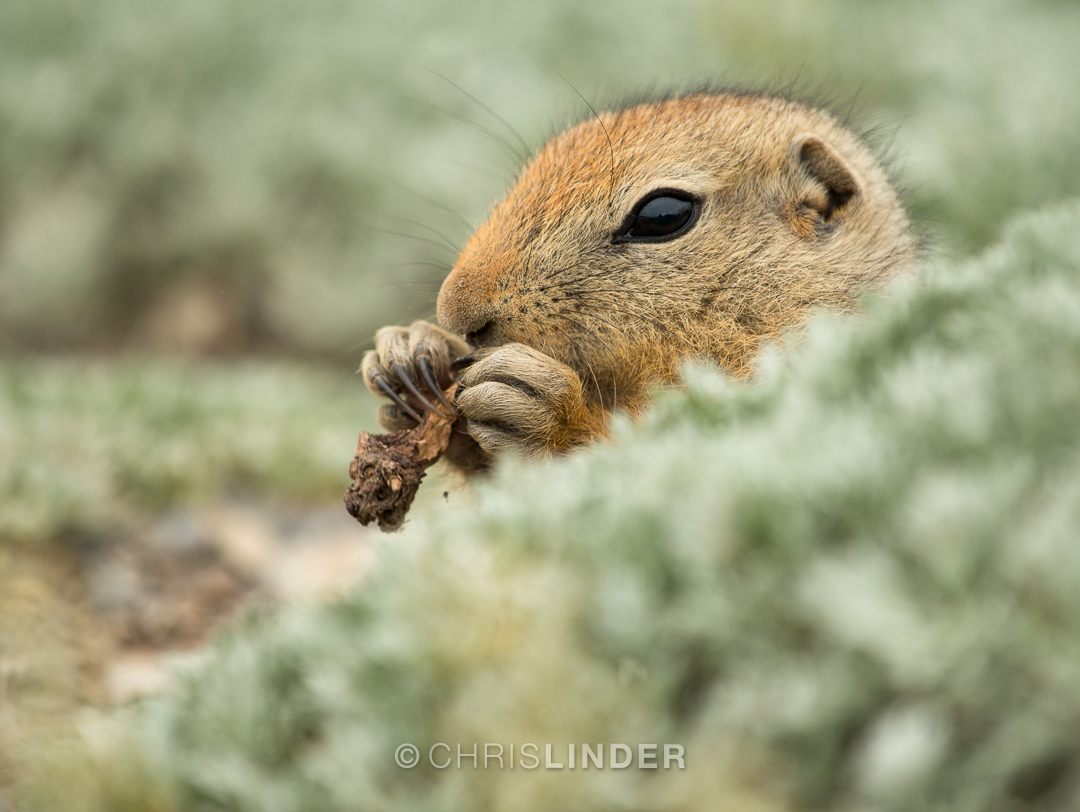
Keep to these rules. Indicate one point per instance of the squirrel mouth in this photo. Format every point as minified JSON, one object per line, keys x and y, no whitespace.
{"x":482,"y":337}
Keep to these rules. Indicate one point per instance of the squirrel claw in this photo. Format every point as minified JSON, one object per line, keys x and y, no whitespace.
{"x":388,"y":390}
{"x":410,"y":384}
{"x":463,"y":361}
{"x":427,"y":372}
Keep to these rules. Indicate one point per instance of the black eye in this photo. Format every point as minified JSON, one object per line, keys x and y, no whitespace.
{"x":662,"y":216}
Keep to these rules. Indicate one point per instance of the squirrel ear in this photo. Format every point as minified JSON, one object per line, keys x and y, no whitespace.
{"x":824,"y":165}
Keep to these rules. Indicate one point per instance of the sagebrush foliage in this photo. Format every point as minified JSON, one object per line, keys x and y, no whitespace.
{"x":850,"y":585}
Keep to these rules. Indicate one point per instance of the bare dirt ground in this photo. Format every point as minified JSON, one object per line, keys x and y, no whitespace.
{"x":86,"y":627}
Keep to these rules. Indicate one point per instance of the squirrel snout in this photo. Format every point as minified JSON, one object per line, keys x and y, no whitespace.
{"x":465,"y":307}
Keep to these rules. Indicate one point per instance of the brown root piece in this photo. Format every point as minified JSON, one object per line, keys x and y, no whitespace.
{"x":387,"y":468}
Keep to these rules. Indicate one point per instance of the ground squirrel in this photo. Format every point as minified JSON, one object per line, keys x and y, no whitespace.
{"x":692,"y":227}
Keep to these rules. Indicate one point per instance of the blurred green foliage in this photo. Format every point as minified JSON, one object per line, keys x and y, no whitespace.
{"x":242,"y":156}
{"x":91,"y":447}
{"x":218,"y":176}
{"x":851,"y":586}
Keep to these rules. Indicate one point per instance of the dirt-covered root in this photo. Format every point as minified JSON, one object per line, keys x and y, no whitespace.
{"x":387,"y":468}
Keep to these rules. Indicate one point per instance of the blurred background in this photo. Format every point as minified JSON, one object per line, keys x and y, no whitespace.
{"x":281,"y":178}
{"x":207,"y":208}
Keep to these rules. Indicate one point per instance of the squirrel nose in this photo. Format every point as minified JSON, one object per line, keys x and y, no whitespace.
{"x":465,"y":306}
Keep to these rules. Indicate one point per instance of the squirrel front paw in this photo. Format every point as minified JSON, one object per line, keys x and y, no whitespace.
{"x":517,"y":399}
{"x":411,"y":367}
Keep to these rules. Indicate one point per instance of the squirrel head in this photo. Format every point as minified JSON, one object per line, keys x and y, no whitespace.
{"x":688,"y":228}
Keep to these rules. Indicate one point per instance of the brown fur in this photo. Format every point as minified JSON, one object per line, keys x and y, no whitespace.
{"x":796,"y":213}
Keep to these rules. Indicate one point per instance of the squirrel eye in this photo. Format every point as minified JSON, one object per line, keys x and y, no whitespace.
{"x":662,"y":216}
